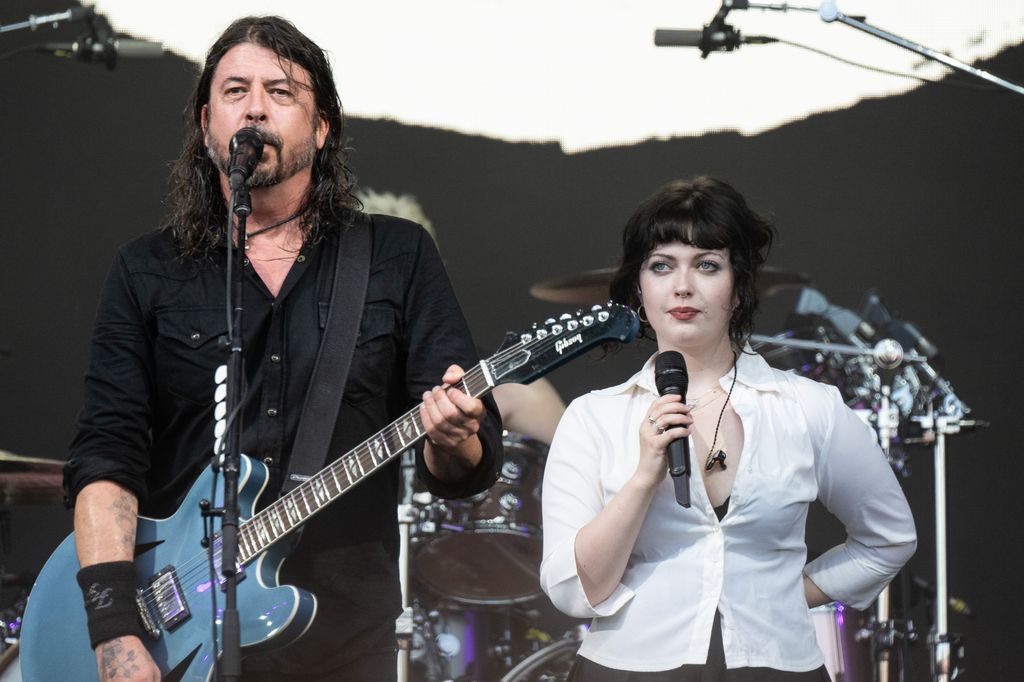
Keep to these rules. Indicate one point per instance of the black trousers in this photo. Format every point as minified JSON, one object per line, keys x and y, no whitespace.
{"x":714,"y":670}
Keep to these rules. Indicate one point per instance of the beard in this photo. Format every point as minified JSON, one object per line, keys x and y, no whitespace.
{"x":286,"y":165}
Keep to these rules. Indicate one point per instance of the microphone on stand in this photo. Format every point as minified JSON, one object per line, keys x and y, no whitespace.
{"x":671,"y":379}
{"x":708,"y":40}
{"x":246,"y":148}
{"x":716,"y":36}
{"x":100,"y":45}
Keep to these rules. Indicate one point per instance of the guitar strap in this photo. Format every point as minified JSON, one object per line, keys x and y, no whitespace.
{"x":323,"y":401}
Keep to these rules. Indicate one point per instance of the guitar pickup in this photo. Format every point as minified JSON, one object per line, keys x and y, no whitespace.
{"x":168,"y":597}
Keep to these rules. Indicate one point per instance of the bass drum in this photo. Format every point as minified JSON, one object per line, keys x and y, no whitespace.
{"x":846,"y":659}
{"x":487,"y":548}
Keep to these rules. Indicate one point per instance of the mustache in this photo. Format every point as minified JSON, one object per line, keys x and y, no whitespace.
{"x":270,"y":139}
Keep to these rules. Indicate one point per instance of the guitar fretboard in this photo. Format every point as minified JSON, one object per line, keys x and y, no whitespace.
{"x":297,"y":506}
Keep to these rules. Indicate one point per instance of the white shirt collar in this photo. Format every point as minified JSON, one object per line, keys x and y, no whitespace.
{"x":751,"y":370}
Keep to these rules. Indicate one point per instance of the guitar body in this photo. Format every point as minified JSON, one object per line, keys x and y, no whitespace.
{"x":54,"y":637}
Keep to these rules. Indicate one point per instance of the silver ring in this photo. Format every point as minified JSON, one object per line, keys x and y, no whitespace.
{"x":661,"y":430}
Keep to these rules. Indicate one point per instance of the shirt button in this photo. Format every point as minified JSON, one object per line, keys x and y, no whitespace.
{"x":271,"y":412}
{"x":194,"y":336}
{"x":301,"y":258}
{"x":275,"y":358}
{"x":269,"y":461}
{"x":245,"y":261}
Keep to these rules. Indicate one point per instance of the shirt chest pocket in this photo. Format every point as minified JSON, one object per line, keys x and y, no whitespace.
{"x":373,"y":361}
{"x":187,"y":351}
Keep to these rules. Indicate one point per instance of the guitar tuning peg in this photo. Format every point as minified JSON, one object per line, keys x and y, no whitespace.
{"x":596,"y":307}
{"x":587,"y":320}
{"x":526,"y":338}
{"x":550,"y":320}
{"x":565,"y":316}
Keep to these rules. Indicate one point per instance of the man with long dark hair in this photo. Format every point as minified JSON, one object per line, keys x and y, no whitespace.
{"x":146,"y":429}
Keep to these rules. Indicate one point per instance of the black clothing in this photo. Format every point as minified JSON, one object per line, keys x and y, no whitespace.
{"x":722,"y":509}
{"x":585,"y":670}
{"x":147,"y":421}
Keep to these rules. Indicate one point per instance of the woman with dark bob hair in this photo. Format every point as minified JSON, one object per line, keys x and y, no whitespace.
{"x":720,"y":589}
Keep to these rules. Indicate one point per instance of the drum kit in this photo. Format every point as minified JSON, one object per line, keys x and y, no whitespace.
{"x":474,"y":606}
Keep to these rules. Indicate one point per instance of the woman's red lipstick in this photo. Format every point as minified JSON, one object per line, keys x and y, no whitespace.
{"x":684,"y":313}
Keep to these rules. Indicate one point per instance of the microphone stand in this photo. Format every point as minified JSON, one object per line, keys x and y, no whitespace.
{"x":829,"y":12}
{"x":33,"y":22}
{"x":231,"y":657}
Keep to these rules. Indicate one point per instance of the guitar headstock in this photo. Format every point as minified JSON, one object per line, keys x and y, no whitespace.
{"x":536,"y":351}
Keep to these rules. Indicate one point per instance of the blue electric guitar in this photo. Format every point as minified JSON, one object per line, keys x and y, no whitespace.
{"x":174,"y":584}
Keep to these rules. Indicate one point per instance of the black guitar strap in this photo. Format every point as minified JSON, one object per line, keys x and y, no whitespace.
{"x":323,"y":401}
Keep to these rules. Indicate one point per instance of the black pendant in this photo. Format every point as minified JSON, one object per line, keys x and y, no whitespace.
{"x":718,"y":457}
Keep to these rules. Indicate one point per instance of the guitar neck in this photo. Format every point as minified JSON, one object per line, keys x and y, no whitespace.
{"x":297,"y":506}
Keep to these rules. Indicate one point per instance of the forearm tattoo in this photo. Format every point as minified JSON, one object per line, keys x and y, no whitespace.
{"x":117,"y":661}
{"x":125,"y":509}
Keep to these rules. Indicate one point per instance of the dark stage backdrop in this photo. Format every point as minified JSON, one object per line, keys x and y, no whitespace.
{"x":918,"y":196}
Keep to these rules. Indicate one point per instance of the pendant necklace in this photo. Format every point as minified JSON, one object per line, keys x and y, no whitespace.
{"x":719,"y":456}
{"x":695,"y":403}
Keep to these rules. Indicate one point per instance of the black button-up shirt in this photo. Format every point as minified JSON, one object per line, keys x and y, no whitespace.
{"x":148,"y":423}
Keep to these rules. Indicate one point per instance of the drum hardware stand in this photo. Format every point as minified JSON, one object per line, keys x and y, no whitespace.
{"x":884,"y":633}
{"x":947,"y":649}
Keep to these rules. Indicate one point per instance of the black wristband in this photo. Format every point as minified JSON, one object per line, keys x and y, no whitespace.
{"x":110,"y":607}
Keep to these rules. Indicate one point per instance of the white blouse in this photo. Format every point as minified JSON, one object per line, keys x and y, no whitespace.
{"x":800,"y":443}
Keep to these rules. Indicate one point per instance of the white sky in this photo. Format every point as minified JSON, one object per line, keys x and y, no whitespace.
{"x":586,"y":73}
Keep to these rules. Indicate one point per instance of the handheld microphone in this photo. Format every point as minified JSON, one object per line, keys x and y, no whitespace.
{"x":246,"y":148}
{"x":671,"y":379}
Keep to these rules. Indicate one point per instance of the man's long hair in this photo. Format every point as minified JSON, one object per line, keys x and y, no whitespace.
{"x":198,"y":213}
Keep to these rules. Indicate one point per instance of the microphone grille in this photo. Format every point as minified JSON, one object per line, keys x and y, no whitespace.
{"x":670,"y":373}
{"x":247,"y":136}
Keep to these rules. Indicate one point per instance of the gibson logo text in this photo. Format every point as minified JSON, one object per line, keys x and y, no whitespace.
{"x":562,"y":344}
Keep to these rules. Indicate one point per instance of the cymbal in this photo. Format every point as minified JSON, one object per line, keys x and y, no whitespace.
{"x":30,"y":480}
{"x":591,"y":286}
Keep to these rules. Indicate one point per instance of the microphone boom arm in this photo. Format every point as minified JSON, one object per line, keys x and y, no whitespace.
{"x":33,"y":22}
{"x":829,"y":13}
